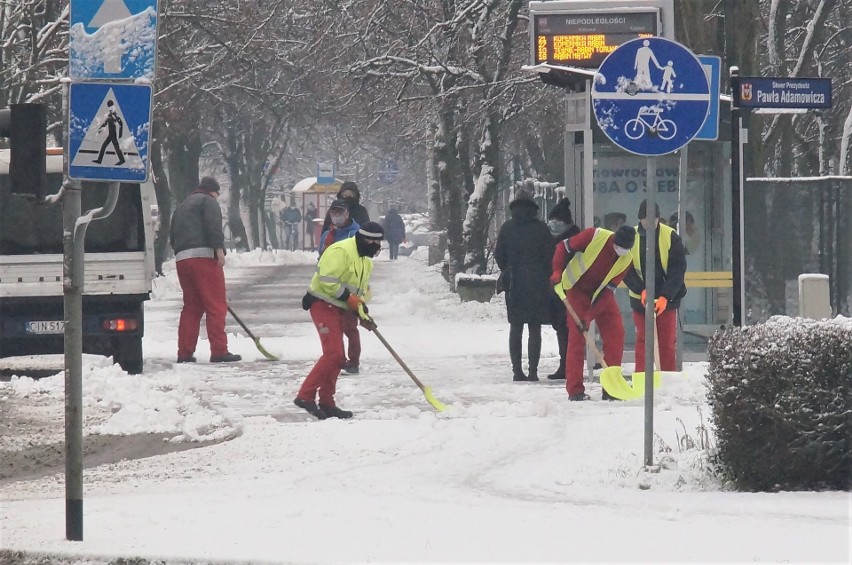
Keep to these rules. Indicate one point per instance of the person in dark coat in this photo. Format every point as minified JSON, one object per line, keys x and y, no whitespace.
{"x":394,"y":232}
{"x":352,"y":196}
{"x":560,"y":221}
{"x":523,"y":252}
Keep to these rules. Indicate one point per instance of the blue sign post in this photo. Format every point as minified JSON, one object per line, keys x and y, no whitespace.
{"x":651,"y":96}
{"x":710,"y":130}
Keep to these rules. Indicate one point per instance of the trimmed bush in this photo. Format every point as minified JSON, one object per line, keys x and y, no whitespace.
{"x":779,"y":394}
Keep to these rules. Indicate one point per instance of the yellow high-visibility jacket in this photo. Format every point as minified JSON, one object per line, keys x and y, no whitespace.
{"x":341,"y":272}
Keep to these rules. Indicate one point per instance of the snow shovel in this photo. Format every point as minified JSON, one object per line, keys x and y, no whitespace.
{"x":256,"y":340}
{"x":612,"y":379}
{"x":427,"y":391}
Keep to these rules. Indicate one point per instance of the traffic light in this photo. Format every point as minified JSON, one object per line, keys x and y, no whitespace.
{"x":26,"y":127}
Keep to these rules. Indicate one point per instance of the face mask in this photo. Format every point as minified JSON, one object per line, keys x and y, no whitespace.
{"x":375,"y":248}
{"x":620,"y":251}
{"x":338,"y":220}
{"x":556,"y":226}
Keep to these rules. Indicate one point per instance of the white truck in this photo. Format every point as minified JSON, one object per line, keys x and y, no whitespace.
{"x":119,"y":268}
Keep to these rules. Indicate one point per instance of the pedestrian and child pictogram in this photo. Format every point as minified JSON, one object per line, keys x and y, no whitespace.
{"x":651,"y":96}
{"x":108,"y":131}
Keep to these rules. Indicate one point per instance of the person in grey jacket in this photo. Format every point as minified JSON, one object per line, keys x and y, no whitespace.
{"x":199,"y":245}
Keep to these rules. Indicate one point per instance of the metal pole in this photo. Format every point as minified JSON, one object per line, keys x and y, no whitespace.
{"x":736,"y":201}
{"x":683,"y":173}
{"x":72,"y":282}
{"x":650,"y":268}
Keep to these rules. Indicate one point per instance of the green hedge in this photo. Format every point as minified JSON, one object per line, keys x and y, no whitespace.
{"x":779,"y":393}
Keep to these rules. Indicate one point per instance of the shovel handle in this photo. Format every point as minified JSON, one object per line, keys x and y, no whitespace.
{"x":240,"y":322}
{"x":585,"y":333}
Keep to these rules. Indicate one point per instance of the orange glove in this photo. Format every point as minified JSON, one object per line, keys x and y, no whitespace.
{"x":353,"y":300}
{"x":644,"y":297}
{"x":660,"y":305}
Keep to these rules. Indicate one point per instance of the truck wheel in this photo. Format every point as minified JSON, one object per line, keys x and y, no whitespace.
{"x":127,"y":352}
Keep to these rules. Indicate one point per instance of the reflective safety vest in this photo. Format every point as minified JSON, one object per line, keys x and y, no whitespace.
{"x":665,"y":244}
{"x":582,"y":260}
{"x":339,"y":269}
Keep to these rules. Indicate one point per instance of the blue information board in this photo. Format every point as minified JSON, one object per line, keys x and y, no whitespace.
{"x":779,"y":92}
{"x":651,"y":96}
{"x":112,"y":39}
{"x":108,"y":131}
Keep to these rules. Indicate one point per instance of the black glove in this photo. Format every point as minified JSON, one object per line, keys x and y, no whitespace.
{"x":367,"y":323}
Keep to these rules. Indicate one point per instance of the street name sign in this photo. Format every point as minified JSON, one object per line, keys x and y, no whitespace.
{"x":651,"y":96}
{"x":780,"y":92}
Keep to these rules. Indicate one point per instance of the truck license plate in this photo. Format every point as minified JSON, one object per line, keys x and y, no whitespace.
{"x":46,"y":327}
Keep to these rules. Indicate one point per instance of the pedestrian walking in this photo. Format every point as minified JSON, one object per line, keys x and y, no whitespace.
{"x":199,"y":245}
{"x":560,"y":221}
{"x":523,"y":251}
{"x":340,"y":287}
{"x":669,"y":287}
{"x":394,"y":232}
{"x":350,"y":194}
{"x":311,"y":214}
{"x":586,"y":270}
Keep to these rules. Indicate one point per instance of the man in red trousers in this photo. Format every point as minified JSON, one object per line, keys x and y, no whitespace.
{"x":586,"y":270}
{"x":199,"y":245}
{"x":669,"y":287}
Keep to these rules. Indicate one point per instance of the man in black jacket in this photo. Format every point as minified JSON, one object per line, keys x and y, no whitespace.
{"x":669,"y":287}
{"x":199,"y":244}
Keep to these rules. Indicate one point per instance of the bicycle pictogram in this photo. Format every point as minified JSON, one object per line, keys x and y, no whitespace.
{"x":662,"y":128}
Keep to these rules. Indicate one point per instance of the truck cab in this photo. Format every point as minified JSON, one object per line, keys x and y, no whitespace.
{"x":119,"y":268}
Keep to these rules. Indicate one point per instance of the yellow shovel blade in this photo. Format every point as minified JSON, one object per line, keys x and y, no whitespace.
{"x":639,"y":382}
{"x":614,"y":383}
{"x":263,"y":351}
{"x":427,"y":392}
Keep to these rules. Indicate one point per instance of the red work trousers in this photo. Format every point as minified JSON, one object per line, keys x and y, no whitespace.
{"x":350,"y":330}
{"x":202,"y":281}
{"x":666,"y":336}
{"x":329,"y":321}
{"x":605,"y":313}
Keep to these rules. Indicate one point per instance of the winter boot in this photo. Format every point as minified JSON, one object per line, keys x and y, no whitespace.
{"x":351,"y":368}
{"x":515,"y":352}
{"x":226,"y":358}
{"x":335,"y":412}
{"x":311,"y":408}
{"x":559,"y":374}
{"x":579,"y":397}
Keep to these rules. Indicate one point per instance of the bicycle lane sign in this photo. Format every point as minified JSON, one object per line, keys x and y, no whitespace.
{"x":651,"y":96}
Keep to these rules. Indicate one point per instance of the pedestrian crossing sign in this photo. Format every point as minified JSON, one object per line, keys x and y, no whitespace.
{"x":108,"y":131}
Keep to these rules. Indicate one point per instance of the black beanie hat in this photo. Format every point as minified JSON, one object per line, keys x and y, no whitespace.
{"x":625,"y":236}
{"x":208,"y":184}
{"x":562,"y":211}
{"x":373,"y":230}
{"x":643,"y":209}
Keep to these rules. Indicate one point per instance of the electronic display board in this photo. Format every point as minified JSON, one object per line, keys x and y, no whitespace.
{"x":583,"y":39}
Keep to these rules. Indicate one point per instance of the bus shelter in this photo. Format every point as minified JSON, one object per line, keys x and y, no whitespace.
{"x":307,"y":191}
